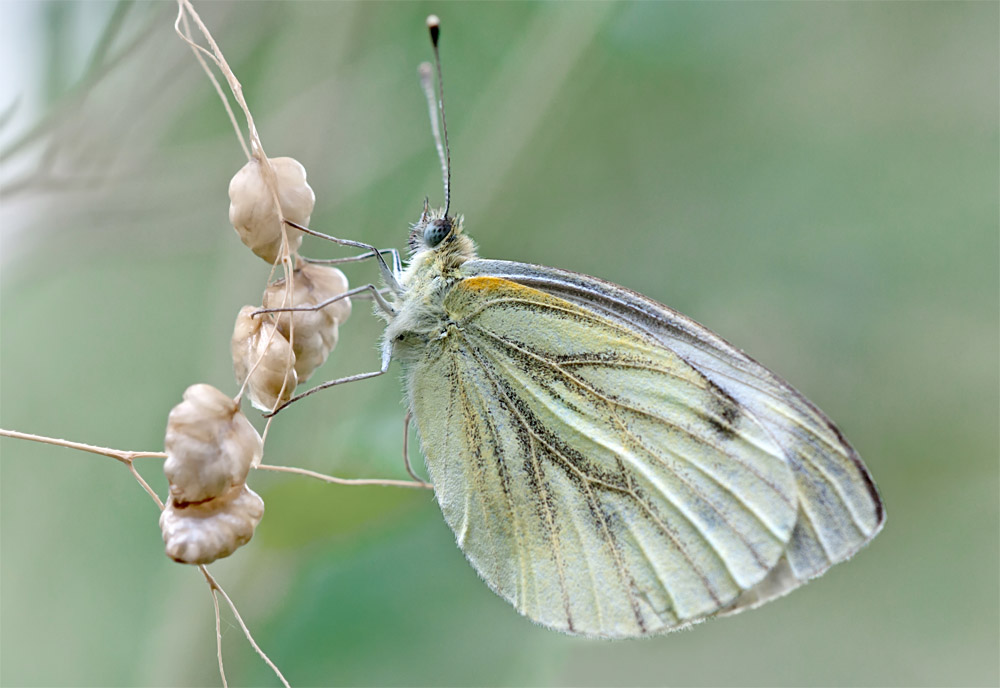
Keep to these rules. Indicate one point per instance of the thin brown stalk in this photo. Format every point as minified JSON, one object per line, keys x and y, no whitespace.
{"x":345,"y":481}
{"x":246,"y":631}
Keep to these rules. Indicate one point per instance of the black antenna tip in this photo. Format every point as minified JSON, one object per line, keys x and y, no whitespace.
{"x":434,"y":24}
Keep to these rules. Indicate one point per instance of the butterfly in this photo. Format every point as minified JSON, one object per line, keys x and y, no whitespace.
{"x":608,"y":466}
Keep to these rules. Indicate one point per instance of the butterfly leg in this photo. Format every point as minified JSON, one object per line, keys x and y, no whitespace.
{"x":388,"y":274}
{"x":368,"y":297}
{"x":332,"y":383}
{"x":406,"y":449}
{"x":374,"y":293}
{"x":391,"y":252}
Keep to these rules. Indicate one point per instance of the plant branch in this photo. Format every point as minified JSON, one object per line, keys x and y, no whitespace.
{"x":345,"y":481}
{"x":216,"y":588}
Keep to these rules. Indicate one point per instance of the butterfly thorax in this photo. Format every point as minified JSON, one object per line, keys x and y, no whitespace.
{"x":433,"y":269}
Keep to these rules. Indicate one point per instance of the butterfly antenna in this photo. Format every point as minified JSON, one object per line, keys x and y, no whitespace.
{"x":435,"y":104}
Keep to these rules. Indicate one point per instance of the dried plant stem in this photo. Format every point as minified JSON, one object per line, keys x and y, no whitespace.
{"x":345,"y":481}
{"x":145,"y":485}
{"x":186,"y":35}
{"x":126,"y":457}
{"x":218,"y":636}
{"x":185,"y":9}
{"x":118,"y":454}
{"x":217,"y":589}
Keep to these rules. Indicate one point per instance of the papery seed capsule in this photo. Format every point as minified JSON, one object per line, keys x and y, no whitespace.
{"x":313,"y":333}
{"x":253,"y":213}
{"x":201,"y":533}
{"x":210,"y":446}
{"x":262,"y":352}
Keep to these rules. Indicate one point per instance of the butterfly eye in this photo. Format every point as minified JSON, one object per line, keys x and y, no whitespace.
{"x":436,"y":231}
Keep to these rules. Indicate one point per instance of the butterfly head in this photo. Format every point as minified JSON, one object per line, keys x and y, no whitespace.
{"x":438,"y":232}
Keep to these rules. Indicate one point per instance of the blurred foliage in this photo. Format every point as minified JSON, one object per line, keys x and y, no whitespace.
{"x":818,"y":182}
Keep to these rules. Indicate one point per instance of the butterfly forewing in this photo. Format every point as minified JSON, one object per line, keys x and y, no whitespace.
{"x":592,"y":476}
{"x":839,"y":507}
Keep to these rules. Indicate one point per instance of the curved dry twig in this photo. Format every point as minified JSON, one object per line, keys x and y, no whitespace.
{"x":216,"y":588}
{"x":345,"y":481}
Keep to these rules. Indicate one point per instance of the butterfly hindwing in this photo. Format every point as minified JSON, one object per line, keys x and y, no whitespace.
{"x":594,"y":478}
{"x":839,"y":506}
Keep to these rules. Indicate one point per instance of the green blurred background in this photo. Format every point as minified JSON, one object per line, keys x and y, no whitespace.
{"x":818,"y":182}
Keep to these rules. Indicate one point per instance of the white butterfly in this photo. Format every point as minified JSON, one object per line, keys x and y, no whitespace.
{"x":609,"y":466}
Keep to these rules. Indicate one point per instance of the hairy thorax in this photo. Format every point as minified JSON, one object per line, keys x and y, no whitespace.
{"x":420,"y":317}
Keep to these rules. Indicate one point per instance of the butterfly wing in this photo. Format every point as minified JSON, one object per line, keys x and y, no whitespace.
{"x":593,"y":477}
{"x":839,"y":506}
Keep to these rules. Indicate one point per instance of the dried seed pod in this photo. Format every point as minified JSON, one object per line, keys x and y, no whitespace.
{"x":210,"y":446}
{"x":273,"y":380}
{"x":253,"y":213}
{"x":203,"y":532}
{"x":313,"y":333}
